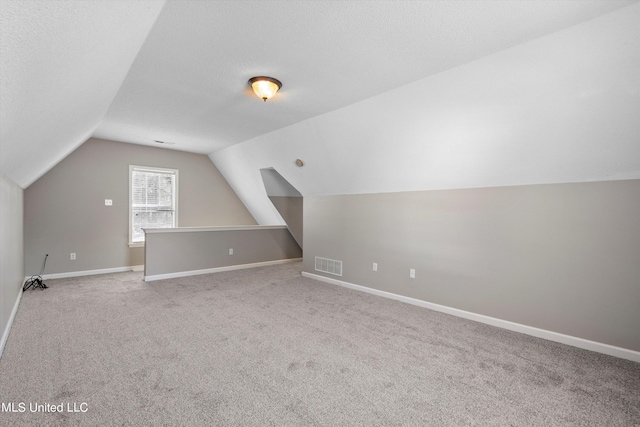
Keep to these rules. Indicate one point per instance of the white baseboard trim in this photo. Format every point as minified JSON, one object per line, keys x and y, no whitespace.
{"x":7,"y":329}
{"x":217,"y":269}
{"x":92,"y":272}
{"x":598,"y":347}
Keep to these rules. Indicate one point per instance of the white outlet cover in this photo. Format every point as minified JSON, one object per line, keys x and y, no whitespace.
{"x":375,"y":266}
{"x":108,"y":202}
{"x":230,"y":251}
{"x":412,"y":273}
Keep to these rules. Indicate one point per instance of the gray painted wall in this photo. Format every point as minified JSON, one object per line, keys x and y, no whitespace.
{"x":561,"y":257}
{"x":276,"y":185}
{"x":172,"y":252}
{"x":291,"y":209}
{"x":286,"y":199}
{"x":11,"y":249}
{"x":65,"y":211}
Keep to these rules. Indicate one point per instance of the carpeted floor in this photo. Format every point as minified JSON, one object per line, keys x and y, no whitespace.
{"x":265,"y":346}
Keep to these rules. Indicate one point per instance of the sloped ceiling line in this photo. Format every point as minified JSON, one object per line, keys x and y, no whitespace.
{"x":177,"y":70}
{"x":62,"y":64}
{"x":561,"y":108}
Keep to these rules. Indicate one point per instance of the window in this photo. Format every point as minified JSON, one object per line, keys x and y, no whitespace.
{"x":153,"y":200}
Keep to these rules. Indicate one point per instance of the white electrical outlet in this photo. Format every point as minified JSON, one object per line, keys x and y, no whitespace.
{"x":412,"y":273}
{"x":72,"y":256}
{"x":230,"y":251}
{"x":108,"y":202}
{"x":375,"y":266}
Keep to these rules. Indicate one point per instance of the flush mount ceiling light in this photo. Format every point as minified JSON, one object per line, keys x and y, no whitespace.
{"x":265,"y":87}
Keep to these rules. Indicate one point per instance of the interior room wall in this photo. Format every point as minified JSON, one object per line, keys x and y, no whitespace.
{"x":11,"y":251}
{"x":194,"y":252}
{"x":286,"y":199}
{"x":560,"y":257}
{"x":292,"y":211}
{"x":65,"y":211}
{"x":561,"y":108}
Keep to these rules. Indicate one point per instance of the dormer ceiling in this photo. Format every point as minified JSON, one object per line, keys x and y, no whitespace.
{"x":143,"y":71}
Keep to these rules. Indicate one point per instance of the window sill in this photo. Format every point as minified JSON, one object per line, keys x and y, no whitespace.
{"x":136,"y":245}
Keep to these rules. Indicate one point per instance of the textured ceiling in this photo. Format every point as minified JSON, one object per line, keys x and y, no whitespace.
{"x":145,"y":70}
{"x":561,"y":108}
{"x":188,"y":84}
{"x":61,"y":65}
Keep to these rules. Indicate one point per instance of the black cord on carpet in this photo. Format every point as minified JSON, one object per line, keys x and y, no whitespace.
{"x":35,"y":281}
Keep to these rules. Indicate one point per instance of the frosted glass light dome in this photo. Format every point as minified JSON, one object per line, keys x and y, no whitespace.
{"x":265,"y":87}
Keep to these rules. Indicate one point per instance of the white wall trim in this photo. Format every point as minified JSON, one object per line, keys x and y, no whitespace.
{"x":93,"y":272}
{"x":220,"y":228}
{"x":7,"y":329}
{"x":598,"y":347}
{"x":218,"y":269}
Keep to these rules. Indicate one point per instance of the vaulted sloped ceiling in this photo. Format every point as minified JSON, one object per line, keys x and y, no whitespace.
{"x":560,"y":108}
{"x":139,"y":71}
{"x":62,"y":64}
{"x":188,"y":84}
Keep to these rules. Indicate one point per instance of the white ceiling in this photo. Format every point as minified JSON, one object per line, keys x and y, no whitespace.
{"x":561,"y":108}
{"x":180,"y":71}
{"x":61,"y":65}
{"x":188,"y":84}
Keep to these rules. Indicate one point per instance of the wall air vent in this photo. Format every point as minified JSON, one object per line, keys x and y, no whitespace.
{"x":330,"y":266}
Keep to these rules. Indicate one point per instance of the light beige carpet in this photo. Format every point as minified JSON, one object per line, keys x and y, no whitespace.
{"x":266,"y":346}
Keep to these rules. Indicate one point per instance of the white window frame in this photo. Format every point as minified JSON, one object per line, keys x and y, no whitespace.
{"x":133,"y":168}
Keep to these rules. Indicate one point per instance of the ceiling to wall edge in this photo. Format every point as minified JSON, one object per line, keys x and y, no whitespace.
{"x":209,"y":154}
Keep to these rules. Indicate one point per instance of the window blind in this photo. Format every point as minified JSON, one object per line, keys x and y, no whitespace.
{"x":153,"y":201}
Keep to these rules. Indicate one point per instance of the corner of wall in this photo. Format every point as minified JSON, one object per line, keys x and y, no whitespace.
{"x":11,"y":247}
